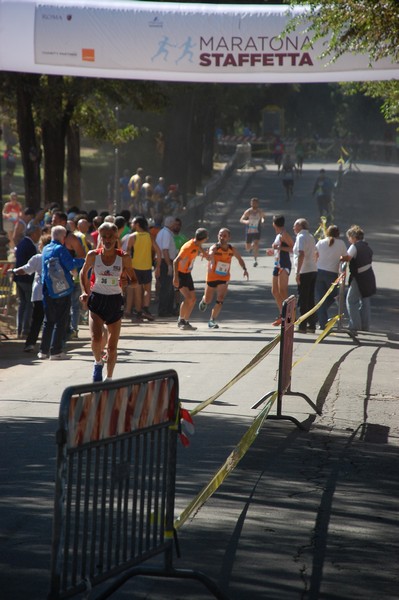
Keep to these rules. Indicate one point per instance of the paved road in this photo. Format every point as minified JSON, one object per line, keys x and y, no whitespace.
{"x":305,"y":515}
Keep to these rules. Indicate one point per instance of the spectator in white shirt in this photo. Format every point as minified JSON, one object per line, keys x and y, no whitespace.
{"x":305,"y":271}
{"x":328,"y":254}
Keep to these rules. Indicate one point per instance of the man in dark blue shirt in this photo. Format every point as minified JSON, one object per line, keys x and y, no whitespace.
{"x":23,"y":252}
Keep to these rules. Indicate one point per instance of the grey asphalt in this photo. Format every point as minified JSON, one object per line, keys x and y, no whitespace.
{"x":307,"y":514}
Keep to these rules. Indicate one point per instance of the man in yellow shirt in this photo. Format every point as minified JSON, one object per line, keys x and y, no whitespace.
{"x":145,"y":250}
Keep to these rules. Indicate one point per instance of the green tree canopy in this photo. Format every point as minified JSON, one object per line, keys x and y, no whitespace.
{"x":360,"y":27}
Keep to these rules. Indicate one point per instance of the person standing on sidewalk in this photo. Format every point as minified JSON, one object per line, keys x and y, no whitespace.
{"x":182,"y":278}
{"x":58,"y":266}
{"x":11,"y":213}
{"x":166,"y":242}
{"x":26,"y":248}
{"x":104,"y":298}
{"x":34,"y":267}
{"x":306,"y":271}
{"x":362,"y":284}
{"x":253,"y":218}
{"x":19,"y":232}
{"x":328,"y":254}
{"x":146,"y":252}
{"x":218,"y":275}
{"x":134,"y":187}
{"x":76,"y":249}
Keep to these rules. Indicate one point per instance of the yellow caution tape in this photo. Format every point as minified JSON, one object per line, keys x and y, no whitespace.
{"x":231,"y":462}
{"x":326,"y":330}
{"x":256,"y":360}
{"x":321,"y":231}
{"x":320,"y":150}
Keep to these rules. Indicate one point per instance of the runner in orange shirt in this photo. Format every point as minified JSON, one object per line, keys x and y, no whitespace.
{"x":218,"y":275}
{"x":182,"y":278}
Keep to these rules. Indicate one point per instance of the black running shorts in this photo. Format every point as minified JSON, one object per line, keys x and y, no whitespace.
{"x":108,"y":307}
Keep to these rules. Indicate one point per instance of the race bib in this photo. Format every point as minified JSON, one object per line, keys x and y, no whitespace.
{"x":222,"y":268}
{"x":108,"y":280}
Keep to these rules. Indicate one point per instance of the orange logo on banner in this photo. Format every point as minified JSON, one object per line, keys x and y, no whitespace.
{"x":88,"y":54}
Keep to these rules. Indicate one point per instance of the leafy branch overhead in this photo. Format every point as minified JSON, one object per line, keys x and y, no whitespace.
{"x":367,"y":27}
{"x":357,"y":26}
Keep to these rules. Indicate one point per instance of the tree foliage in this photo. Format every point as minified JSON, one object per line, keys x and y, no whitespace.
{"x":358,"y":26}
{"x":362,"y":27}
{"x":47,"y":106}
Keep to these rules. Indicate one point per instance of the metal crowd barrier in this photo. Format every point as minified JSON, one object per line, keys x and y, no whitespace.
{"x":285,"y":365}
{"x":115,"y":486}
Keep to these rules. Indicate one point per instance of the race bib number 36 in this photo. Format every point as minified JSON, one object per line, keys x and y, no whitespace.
{"x":106,"y":280}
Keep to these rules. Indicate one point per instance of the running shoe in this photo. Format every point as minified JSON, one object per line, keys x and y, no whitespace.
{"x":300,"y":329}
{"x":42,"y":356}
{"x":202,"y":305}
{"x":213,"y":325}
{"x":146,"y":314}
{"x":255,"y":263}
{"x":188,"y":327}
{"x":98,"y":372}
{"x":137,"y":317}
{"x":277,"y":322}
{"x":60,"y":356}
{"x":180,"y":323}
{"x":29,"y":348}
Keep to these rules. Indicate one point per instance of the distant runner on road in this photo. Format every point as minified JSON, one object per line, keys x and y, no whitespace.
{"x":253,"y":218}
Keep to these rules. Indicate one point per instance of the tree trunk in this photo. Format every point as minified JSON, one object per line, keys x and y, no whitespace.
{"x":201,"y":139}
{"x":74,"y":167}
{"x":30,"y":149}
{"x":188,"y":140}
{"x":55,"y":121}
{"x":194,"y":167}
{"x":177,"y":139}
{"x":54,"y":162}
{"x":209,"y":139}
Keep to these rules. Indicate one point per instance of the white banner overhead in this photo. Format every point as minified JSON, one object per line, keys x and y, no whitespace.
{"x":169,"y":42}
